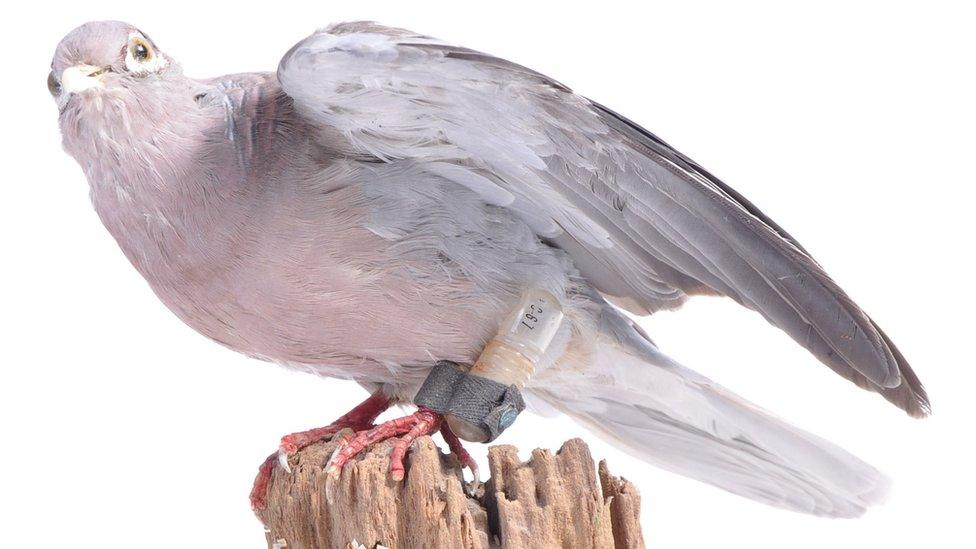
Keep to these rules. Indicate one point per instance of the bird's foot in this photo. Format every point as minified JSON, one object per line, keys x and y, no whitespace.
{"x":359,"y":418}
{"x":454,"y":444}
{"x":405,"y":430}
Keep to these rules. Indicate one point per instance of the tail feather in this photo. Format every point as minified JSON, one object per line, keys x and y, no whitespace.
{"x":646,"y":404}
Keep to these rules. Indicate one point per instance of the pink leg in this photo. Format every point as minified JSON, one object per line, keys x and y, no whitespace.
{"x":428,"y":423}
{"x":406,"y":429}
{"x":359,"y":418}
{"x":259,"y":492}
{"x":454,"y":443}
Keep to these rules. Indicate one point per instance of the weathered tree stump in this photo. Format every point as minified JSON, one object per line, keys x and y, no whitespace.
{"x":549,"y":501}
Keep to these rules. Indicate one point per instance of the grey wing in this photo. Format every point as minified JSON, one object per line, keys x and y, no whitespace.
{"x":644,"y":224}
{"x":801,"y":285}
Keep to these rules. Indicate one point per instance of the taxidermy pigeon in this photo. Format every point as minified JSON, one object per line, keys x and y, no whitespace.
{"x":380,"y":204}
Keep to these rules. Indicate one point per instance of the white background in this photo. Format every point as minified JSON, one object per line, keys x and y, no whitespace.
{"x":850,"y":124}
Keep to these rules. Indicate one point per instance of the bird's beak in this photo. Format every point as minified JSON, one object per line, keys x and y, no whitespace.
{"x":82,"y":77}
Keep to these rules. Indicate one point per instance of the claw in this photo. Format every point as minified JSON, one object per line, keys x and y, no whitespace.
{"x":331,"y":468}
{"x":283,"y":461}
{"x":332,"y":478}
{"x":475,"y":485}
{"x":454,"y":444}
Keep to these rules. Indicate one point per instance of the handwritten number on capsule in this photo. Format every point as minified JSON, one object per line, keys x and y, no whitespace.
{"x":532,"y":317}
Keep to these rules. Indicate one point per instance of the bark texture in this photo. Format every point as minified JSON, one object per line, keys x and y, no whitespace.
{"x":550,"y":501}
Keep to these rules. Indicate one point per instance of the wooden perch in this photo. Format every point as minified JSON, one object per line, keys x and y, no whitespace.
{"x":549,"y":501}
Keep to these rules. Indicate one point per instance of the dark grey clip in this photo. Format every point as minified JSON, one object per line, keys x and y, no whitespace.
{"x":482,"y":403}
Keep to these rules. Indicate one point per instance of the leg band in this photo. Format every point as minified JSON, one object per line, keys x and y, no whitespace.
{"x":483,"y":404}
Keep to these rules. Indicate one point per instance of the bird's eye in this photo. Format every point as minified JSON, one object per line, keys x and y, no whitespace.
{"x":141,"y":58}
{"x":140,"y":51}
{"x":53,"y":85}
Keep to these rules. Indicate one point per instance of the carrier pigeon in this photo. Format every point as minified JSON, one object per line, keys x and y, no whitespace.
{"x":379,"y":206}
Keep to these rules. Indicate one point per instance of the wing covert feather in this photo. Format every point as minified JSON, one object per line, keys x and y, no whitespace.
{"x":645,"y":224}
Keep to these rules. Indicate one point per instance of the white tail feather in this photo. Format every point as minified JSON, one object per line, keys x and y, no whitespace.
{"x":646,"y":404}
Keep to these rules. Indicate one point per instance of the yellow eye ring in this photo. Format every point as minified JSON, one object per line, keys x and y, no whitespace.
{"x":140,"y":51}
{"x":140,"y":56}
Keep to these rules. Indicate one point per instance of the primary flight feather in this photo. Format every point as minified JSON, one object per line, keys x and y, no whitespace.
{"x":381,"y":202}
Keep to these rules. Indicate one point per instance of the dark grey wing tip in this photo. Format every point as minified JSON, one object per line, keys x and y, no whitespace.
{"x":882,"y":369}
{"x":910,"y":395}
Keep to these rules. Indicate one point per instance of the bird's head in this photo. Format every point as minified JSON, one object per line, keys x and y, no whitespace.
{"x":106,"y":58}
{"x":116,"y":92}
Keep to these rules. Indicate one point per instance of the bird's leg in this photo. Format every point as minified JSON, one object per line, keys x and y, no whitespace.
{"x":454,"y":444}
{"x":358,"y":419}
{"x":259,"y":492}
{"x":405,"y":429}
